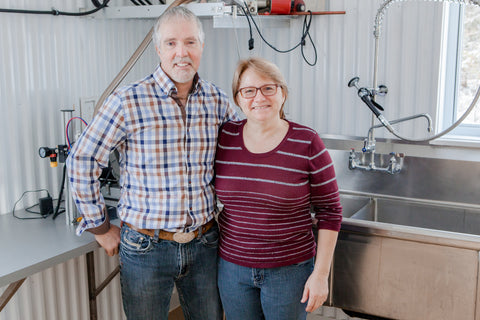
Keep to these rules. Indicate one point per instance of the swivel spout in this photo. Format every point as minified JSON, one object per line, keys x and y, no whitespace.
{"x":424,"y":115}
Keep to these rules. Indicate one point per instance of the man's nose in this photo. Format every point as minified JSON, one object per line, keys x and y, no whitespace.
{"x":181,"y":50}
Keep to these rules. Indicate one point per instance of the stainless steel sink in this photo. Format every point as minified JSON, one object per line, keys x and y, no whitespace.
{"x":413,"y":214}
{"x":407,"y":258}
{"x":352,"y":204}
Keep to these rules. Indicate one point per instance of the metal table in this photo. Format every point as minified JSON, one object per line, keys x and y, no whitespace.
{"x":30,"y":246}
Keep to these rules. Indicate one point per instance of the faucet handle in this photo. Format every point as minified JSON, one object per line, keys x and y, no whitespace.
{"x":381,"y":90}
{"x":354,"y":82}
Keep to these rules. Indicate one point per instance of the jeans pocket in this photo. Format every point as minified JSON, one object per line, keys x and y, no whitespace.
{"x":134,"y":241}
{"x":210,"y":239}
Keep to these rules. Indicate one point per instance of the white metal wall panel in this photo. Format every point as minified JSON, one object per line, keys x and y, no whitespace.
{"x":49,"y":63}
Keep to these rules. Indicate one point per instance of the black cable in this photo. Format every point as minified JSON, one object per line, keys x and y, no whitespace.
{"x":60,"y":195}
{"x":56,"y":12}
{"x":135,"y":2}
{"x":306,"y":29}
{"x":29,"y":209}
{"x":147,"y":1}
{"x":305,"y":33}
{"x":96,"y":3}
{"x":29,"y":218}
{"x":250,"y":41}
{"x":141,"y":2}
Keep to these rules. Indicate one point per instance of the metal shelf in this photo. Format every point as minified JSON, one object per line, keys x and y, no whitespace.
{"x":267,"y":20}
{"x":154,"y":11}
{"x":222,"y":15}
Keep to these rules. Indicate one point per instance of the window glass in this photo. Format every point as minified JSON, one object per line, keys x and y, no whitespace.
{"x":469,"y":77}
{"x":461,"y":71}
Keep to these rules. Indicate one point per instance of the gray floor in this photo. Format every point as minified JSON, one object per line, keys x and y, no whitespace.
{"x":329,"y":313}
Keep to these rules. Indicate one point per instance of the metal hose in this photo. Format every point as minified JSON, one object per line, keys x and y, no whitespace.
{"x":378,"y":22}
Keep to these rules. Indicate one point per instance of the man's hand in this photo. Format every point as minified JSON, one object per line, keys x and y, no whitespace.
{"x":110,"y":240}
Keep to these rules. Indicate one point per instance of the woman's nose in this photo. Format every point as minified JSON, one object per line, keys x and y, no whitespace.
{"x":259,"y":95}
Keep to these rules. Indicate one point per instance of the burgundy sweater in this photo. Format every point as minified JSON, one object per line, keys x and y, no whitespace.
{"x":268,"y":197}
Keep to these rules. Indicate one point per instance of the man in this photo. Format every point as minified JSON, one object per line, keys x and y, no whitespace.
{"x":165,"y":129}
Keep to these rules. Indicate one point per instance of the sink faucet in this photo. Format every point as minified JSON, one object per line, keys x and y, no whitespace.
{"x":395,"y":163}
{"x":396,"y":160}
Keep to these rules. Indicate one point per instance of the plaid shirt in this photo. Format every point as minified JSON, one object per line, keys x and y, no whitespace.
{"x":166,"y":162}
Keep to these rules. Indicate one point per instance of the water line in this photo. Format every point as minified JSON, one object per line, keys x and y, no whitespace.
{"x":378,"y":22}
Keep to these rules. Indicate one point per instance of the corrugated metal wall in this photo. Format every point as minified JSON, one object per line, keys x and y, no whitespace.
{"x":49,"y":63}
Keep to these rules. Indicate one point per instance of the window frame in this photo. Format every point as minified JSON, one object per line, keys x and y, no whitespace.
{"x":450,"y":79}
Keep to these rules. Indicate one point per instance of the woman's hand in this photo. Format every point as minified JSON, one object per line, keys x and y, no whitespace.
{"x":315,"y":291}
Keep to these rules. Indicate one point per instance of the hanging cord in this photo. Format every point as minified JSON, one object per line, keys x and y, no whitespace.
{"x":250,"y":41}
{"x":56,"y":12}
{"x":302,"y":42}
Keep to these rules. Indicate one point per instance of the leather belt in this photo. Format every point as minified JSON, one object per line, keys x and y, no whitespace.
{"x":180,"y":237}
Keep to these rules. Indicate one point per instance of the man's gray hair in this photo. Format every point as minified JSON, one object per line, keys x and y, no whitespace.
{"x":177,"y":12}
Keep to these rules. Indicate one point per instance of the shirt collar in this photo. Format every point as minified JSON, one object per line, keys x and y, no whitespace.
{"x":167,"y":85}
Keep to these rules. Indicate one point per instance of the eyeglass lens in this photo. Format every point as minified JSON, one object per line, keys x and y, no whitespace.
{"x":251,"y":92}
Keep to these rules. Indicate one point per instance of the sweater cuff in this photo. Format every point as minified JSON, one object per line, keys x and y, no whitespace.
{"x":101,"y":229}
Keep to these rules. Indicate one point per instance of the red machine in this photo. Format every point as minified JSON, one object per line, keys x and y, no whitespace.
{"x":286,"y":6}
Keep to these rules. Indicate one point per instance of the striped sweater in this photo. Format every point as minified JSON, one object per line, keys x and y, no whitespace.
{"x":268,"y":198}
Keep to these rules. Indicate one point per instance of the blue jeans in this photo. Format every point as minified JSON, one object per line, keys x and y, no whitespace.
{"x":149,"y":269}
{"x":257,"y":294}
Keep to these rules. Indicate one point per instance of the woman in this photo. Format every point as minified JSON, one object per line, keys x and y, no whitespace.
{"x":270,"y":174}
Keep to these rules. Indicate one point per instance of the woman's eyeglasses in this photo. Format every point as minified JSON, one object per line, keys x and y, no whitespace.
{"x":251,"y":92}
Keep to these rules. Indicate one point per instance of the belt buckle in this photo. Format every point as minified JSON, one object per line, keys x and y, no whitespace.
{"x":183,"y":237}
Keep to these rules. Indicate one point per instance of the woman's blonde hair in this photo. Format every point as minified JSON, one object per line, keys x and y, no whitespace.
{"x":262,"y":67}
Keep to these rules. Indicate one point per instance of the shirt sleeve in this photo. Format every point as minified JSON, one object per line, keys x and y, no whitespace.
{"x":232,"y":113}
{"x":88,"y":156}
{"x":325,"y":195}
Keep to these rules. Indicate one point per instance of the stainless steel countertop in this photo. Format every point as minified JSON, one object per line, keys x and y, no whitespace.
{"x":30,"y":246}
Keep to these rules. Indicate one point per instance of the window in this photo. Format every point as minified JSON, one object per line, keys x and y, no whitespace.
{"x":461,"y":69}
